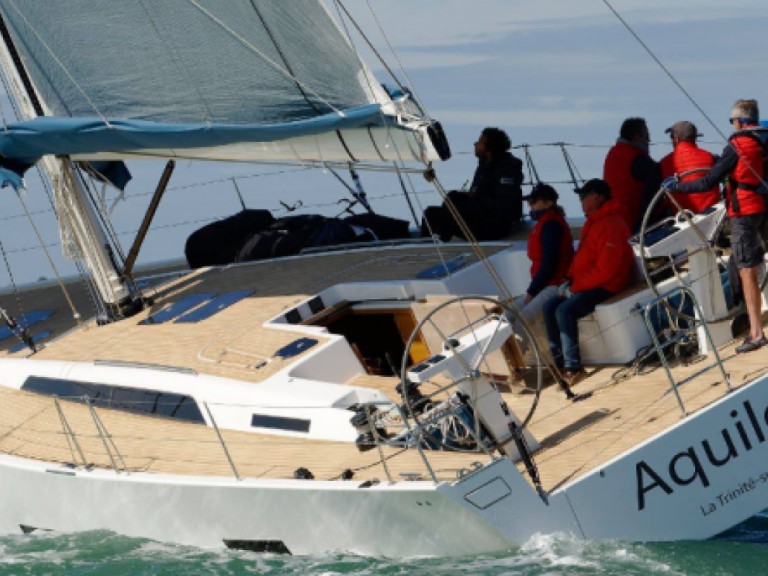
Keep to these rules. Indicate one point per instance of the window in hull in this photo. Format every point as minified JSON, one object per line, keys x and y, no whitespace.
{"x":136,"y":400}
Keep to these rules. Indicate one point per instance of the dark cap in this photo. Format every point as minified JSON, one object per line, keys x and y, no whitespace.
{"x":542,"y":192}
{"x":684,"y":130}
{"x":595,"y":185}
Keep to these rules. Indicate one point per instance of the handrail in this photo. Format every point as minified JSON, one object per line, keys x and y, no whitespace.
{"x":106,"y":438}
{"x":698,"y":321}
{"x":69,"y":434}
{"x":143,"y":365}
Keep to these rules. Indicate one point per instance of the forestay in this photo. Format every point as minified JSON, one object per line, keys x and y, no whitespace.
{"x":217,"y":79}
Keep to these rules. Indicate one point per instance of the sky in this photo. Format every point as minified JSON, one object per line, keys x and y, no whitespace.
{"x":547,"y":71}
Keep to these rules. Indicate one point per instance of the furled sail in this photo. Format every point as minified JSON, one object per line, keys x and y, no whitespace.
{"x":205,"y":79}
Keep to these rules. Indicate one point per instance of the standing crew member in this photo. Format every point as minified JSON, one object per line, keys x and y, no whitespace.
{"x":742,"y":163}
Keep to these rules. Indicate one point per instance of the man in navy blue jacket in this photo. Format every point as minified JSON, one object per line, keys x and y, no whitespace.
{"x":493,"y":206}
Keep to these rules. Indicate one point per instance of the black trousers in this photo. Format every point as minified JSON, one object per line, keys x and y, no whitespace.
{"x":483,"y":224}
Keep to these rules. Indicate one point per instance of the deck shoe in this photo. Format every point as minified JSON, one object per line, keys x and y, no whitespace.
{"x":749,"y":344}
{"x":573,"y":376}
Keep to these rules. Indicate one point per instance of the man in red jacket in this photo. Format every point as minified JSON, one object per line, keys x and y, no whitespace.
{"x":602,"y":266}
{"x":631,"y":173}
{"x":689,"y":162}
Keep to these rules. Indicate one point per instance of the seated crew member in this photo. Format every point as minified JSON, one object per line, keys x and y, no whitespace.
{"x":493,"y":206}
{"x":742,"y":164}
{"x":602,"y":266}
{"x":689,"y":162}
{"x":632,"y":175}
{"x":550,"y":249}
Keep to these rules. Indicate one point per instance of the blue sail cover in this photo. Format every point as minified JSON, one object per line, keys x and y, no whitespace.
{"x":178,"y":74}
{"x":26,"y":142}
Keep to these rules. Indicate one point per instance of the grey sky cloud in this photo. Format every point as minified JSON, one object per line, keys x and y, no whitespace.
{"x":545,"y":71}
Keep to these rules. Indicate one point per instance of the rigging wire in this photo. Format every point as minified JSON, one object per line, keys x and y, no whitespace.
{"x":406,"y":193}
{"x":370,"y":45}
{"x":411,"y":84}
{"x":368,"y":77}
{"x":59,"y":279}
{"x":664,"y":68}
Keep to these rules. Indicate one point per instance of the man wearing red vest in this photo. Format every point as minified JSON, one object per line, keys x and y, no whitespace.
{"x":742,"y":163}
{"x":631,"y":173}
{"x":550,"y":249}
{"x":688,"y":162}
{"x":602,"y":266}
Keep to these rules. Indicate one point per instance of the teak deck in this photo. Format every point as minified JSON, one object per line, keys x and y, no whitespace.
{"x":575,"y":437}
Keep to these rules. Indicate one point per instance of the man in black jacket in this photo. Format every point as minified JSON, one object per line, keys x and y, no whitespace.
{"x":493,"y":206}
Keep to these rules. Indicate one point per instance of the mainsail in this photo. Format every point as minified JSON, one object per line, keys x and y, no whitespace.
{"x":205,"y":79}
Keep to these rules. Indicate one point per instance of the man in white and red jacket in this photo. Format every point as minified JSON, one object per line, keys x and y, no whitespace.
{"x":742,"y":164}
{"x":603,"y":265}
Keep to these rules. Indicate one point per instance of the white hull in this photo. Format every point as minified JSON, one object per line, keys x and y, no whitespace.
{"x":493,"y":508}
{"x":683,"y":494}
{"x":308,"y":517}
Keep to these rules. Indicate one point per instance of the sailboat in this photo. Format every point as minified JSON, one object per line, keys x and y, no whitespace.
{"x":366,"y":399}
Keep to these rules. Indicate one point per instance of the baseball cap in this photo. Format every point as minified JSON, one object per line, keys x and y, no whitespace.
{"x":595,"y":185}
{"x":542,"y":192}
{"x":684,"y":130}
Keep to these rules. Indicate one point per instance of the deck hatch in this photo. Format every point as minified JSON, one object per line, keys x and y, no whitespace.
{"x":214,"y":306}
{"x":295,"y":348}
{"x":441,"y":270}
{"x":178,"y":308}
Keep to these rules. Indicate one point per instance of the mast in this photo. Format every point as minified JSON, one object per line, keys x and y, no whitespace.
{"x":75,"y":212}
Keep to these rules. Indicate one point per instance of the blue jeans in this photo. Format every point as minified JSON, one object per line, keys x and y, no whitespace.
{"x":561,"y":316}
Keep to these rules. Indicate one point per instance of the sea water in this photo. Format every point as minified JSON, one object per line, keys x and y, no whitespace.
{"x":743,"y":551}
